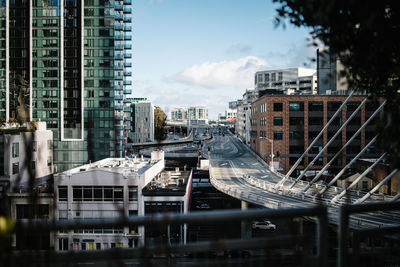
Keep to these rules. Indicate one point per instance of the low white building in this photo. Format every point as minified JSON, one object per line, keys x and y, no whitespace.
{"x":290,"y":81}
{"x":110,"y":188}
{"x":25,"y":153}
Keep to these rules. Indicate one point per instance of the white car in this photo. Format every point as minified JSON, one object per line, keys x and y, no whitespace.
{"x":264,"y":225}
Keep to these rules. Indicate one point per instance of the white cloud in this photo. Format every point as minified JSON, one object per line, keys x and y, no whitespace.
{"x":234,"y":73}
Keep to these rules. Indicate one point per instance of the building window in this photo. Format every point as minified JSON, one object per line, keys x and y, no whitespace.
{"x":33,"y":165}
{"x":263,"y":121}
{"x":278,"y":135}
{"x":266,"y":77}
{"x":15,"y":168}
{"x":49,"y":161}
{"x":49,"y":144}
{"x":296,"y":135}
{"x":97,"y":193}
{"x":62,"y":193}
{"x":15,"y":150}
{"x":278,"y":107}
{"x":333,"y":106}
{"x":34,"y":146}
{"x":315,"y":106}
{"x":296,"y":106}
{"x":259,"y":78}
{"x":273,"y":77}
{"x":63,"y":244}
{"x":133,"y":193}
{"x":278,"y":121}
{"x":280,"y":76}
{"x":365,"y":185}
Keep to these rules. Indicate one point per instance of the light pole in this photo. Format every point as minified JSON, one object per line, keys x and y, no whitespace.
{"x":271,"y":165}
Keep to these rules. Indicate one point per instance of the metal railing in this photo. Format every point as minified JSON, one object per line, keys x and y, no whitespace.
{"x":319,"y":242}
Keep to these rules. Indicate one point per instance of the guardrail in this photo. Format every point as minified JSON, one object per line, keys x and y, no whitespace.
{"x":317,"y":254}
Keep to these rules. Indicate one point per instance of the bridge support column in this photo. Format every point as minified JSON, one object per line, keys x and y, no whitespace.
{"x":246,"y":225}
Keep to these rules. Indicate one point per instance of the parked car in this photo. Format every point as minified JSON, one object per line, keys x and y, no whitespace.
{"x":264,"y":225}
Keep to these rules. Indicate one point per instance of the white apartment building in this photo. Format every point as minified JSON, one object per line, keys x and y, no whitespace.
{"x":231,"y":114}
{"x":17,"y":144}
{"x":142,"y":113}
{"x":290,"y":81}
{"x":243,"y":115}
{"x":197,"y":113}
{"x":178,"y":114}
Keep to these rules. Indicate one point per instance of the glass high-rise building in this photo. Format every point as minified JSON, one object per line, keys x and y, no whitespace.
{"x":67,"y":62}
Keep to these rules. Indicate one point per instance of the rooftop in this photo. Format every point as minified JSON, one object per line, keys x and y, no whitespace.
{"x":117,"y":165}
{"x":168,"y":183}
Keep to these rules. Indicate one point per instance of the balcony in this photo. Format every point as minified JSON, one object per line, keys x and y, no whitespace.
{"x":119,"y":47}
{"x":127,"y":55}
{"x":127,"y":64}
{"x":127,"y":73}
{"x":127,"y":10}
{"x":118,"y":16}
{"x":118,"y":67}
{"x":127,"y":91}
{"x":127,"y":37}
{"x":127,"y":46}
{"x":118,"y":7}
{"x":127,"y":28}
{"x":127,"y":82}
{"x":120,"y":57}
{"x":118,"y":97}
{"x":118,"y":87}
{"x":118,"y":107}
{"x":127,"y":18}
{"x":119,"y":37}
{"x":127,"y":2}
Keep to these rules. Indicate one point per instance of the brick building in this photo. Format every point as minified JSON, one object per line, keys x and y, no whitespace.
{"x":293,"y":121}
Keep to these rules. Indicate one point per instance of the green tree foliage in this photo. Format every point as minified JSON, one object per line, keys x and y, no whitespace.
{"x":364,"y":36}
{"x":159,"y":124}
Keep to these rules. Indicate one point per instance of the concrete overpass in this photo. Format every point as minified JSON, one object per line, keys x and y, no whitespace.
{"x":239,"y":172}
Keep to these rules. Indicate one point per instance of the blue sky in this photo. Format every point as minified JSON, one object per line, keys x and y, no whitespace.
{"x":205,"y":52}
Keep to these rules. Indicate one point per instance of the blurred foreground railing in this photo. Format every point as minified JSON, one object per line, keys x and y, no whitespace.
{"x":316,"y":257}
{"x":313,"y":247}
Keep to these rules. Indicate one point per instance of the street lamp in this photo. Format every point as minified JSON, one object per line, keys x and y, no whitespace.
{"x":272,"y":152}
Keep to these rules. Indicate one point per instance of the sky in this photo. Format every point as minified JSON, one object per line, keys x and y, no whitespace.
{"x":205,"y":52}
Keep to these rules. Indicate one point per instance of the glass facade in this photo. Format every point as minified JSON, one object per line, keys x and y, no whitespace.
{"x":68,"y":59}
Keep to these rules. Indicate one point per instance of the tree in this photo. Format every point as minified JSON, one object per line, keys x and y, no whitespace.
{"x":159,"y":124}
{"x":362,"y":34}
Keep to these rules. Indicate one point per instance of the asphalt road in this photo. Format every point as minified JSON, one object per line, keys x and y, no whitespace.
{"x":238,"y":172}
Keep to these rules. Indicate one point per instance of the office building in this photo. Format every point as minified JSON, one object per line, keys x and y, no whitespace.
{"x":25,"y":153}
{"x":290,"y":81}
{"x":142,"y":122}
{"x":67,"y":63}
{"x":197,"y":113}
{"x":178,"y":114}
{"x":292,"y":122}
{"x":242,"y":125}
{"x":328,"y":72}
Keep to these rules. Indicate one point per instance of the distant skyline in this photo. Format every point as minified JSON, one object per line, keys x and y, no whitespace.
{"x":206,"y":52}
